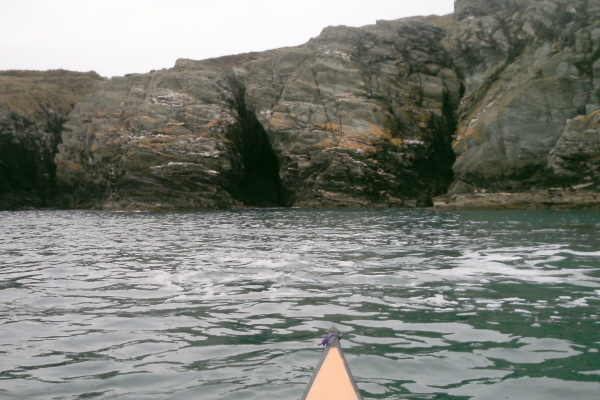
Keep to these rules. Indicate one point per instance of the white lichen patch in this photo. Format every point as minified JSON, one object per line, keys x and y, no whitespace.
{"x":413,"y":142}
{"x":479,"y":114}
{"x":348,"y":98}
{"x":171,"y":98}
{"x":326,"y":51}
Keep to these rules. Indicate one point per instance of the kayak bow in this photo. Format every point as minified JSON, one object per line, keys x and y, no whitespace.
{"x":332,"y":380}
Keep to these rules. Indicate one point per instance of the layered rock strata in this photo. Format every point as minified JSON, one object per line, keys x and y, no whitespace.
{"x":493,"y":107}
{"x":356,"y":117}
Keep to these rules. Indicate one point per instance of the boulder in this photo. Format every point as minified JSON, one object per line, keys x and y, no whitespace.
{"x":576,"y":157}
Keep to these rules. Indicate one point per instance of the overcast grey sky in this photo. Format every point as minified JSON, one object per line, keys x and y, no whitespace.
{"x":116,"y":37}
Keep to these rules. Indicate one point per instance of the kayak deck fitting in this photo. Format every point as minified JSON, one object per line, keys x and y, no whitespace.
{"x":332,"y":379}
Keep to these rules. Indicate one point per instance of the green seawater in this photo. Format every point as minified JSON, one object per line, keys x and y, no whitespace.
{"x":232,"y":304}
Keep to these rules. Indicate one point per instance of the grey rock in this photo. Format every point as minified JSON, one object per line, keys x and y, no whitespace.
{"x":528,"y":68}
{"x":576,"y":157}
{"x":496,"y":105}
{"x":576,"y":197}
{"x":153,"y":141}
{"x":356,"y":117}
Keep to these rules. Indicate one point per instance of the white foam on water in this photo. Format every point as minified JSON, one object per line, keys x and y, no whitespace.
{"x":581,"y":302}
{"x":435,"y":300}
{"x":165,"y":280}
{"x":270,"y":263}
{"x":346,"y":263}
{"x":484,"y":266}
{"x":521,"y":311}
{"x":284,"y":292}
{"x":514,"y":300}
{"x":582,"y":253}
{"x":590,"y":372}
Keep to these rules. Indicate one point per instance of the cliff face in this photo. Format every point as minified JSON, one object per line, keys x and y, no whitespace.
{"x":153,"y":141}
{"x":529,"y":67}
{"x":359,"y":116}
{"x":33,"y":109}
{"x":498,"y":99}
{"x":356,"y":117}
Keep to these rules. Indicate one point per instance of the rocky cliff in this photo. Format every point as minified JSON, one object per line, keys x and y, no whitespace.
{"x":495,"y":106}
{"x":355,"y":117}
{"x":33,"y":109}
{"x":529,"y":67}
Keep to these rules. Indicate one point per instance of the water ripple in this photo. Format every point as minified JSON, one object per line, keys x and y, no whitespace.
{"x":232,"y":304}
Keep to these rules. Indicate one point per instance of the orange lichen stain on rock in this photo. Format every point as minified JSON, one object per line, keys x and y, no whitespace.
{"x":166,"y":131}
{"x":362,"y":129}
{"x":371,"y":130}
{"x":153,"y":143}
{"x":472,"y":132}
{"x":211,"y":124}
{"x":465,"y":136}
{"x":357,"y":145}
{"x":396,"y":142}
{"x":326,"y":143}
{"x":161,"y":138}
{"x":329,"y":126}
{"x":281,"y":121}
{"x":73,"y":166}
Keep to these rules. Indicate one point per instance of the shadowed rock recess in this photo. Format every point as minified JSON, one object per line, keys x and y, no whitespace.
{"x":33,"y":108}
{"x":260,"y":184}
{"x":495,"y":106}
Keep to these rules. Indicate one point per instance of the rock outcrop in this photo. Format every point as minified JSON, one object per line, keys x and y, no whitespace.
{"x":574,"y":165}
{"x":496,"y":106}
{"x":576,"y":156}
{"x":33,"y":109}
{"x":529,"y":67}
{"x":355,"y":117}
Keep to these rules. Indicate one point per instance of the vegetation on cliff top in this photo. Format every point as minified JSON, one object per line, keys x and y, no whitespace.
{"x":32,"y":92}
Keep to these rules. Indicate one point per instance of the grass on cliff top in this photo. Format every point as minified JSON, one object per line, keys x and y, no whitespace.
{"x":441,"y":21}
{"x":33,"y":92}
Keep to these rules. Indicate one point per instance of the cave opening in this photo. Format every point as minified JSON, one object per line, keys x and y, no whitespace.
{"x":260,"y":184}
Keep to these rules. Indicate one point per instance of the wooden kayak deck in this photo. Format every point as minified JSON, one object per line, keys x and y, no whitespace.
{"x":332,"y":379}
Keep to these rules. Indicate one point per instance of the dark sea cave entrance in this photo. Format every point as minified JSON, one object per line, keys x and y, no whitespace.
{"x":260,"y":185}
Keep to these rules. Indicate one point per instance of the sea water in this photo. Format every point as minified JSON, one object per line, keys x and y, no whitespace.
{"x":232,"y":304}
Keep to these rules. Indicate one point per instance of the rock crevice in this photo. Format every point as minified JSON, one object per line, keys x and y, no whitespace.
{"x":259,"y":184}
